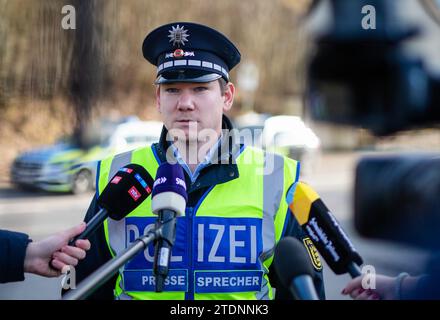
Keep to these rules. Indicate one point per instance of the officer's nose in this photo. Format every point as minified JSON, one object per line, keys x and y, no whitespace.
{"x":185,"y":101}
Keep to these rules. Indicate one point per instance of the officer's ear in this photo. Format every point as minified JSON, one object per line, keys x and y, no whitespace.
{"x":158,"y":98}
{"x":228,"y":96}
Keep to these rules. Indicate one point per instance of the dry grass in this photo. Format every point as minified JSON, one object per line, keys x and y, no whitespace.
{"x":37,"y":59}
{"x":37,"y":55}
{"x":28,"y":124}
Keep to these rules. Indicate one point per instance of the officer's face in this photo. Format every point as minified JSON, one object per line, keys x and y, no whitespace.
{"x":193,"y":109}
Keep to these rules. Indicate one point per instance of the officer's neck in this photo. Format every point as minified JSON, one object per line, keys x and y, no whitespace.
{"x":194,"y":152}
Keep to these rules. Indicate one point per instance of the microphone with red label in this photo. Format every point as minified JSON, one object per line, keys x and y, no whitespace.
{"x":323,"y":229}
{"x":168,"y":202}
{"x":127,"y":189}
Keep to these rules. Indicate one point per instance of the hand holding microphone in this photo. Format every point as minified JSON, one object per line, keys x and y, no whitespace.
{"x":128,"y":188}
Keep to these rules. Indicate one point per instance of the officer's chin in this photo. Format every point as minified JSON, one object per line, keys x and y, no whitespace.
{"x":184,"y":134}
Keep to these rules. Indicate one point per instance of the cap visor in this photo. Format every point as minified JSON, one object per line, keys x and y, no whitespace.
{"x":176,"y":77}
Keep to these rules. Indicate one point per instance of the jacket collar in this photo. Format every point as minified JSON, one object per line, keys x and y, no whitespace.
{"x":224,"y":152}
{"x":224,"y":170}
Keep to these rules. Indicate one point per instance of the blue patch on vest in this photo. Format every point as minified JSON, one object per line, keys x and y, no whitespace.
{"x":144,"y":280}
{"x":136,"y":226}
{"x":226,"y":249}
{"x":233,"y":281}
{"x":227,"y":243}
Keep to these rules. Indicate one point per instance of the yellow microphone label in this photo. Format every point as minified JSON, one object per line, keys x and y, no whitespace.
{"x":302,"y":202}
{"x":313,"y":253}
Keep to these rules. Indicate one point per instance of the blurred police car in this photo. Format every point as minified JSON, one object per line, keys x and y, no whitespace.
{"x":250,"y":126}
{"x":64,"y":167}
{"x":290,"y":136}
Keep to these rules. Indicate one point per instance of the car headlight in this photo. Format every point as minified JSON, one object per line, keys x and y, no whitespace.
{"x":53,"y":168}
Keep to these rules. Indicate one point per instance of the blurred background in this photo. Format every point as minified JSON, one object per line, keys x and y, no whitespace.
{"x":51,"y":79}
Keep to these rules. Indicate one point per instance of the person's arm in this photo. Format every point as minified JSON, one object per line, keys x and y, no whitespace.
{"x":12,"y":254}
{"x":293,"y":229}
{"x":427,"y":287}
{"x":386,"y":288}
{"x":18,"y":254}
{"x":55,"y":250}
{"x":96,"y":257}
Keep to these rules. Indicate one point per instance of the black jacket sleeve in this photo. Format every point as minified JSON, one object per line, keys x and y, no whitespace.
{"x":13,"y":247}
{"x":96,"y":257}
{"x":428,"y":287}
{"x":293,"y":229}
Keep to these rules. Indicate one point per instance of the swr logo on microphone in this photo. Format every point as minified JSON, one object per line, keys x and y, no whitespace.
{"x":134,"y":193}
{"x":159,"y":181}
{"x":181,"y":183}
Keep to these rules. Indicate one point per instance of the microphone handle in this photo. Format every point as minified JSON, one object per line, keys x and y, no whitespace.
{"x":164,"y":245}
{"x":302,"y":288}
{"x":91,"y":226}
{"x":107,"y":270}
{"x":354,"y":270}
{"x":162,"y":264}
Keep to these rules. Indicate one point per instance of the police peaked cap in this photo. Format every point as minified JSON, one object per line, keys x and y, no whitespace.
{"x":189,"y":52}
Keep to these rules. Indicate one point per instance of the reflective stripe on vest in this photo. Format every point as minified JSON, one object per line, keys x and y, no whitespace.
{"x":236,"y":235}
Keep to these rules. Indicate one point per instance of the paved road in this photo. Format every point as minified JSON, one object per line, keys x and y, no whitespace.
{"x":40,"y":214}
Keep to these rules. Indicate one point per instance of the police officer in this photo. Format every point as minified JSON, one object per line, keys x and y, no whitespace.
{"x":236,"y":210}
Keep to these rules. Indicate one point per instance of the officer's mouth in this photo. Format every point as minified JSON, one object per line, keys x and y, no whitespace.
{"x":185,"y":121}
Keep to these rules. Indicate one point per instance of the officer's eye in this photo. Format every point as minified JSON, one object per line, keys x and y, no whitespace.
{"x":171,"y":90}
{"x":200,"y":88}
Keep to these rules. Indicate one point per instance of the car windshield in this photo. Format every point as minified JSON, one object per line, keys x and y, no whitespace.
{"x":96,"y":135}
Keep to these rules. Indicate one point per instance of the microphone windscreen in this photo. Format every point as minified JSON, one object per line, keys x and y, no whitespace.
{"x":127,"y":189}
{"x":170,"y":178}
{"x":169,"y":190}
{"x":291,"y":260}
{"x":322,"y":228}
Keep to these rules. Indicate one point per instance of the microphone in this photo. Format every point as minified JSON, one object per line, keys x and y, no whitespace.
{"x":168,"y":201}
{"x":323,"y":229}
{"x":128,"y":188}
{"x":294,"y":269}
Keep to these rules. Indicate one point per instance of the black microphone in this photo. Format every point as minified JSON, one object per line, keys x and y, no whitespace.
{"x":323,"y":229}
{"x":168,"y":201}
{"x":128,"y":188}
{"x":293,"y":267}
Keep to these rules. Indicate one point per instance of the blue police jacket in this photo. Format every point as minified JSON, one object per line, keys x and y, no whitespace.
{"x":12,"y":252}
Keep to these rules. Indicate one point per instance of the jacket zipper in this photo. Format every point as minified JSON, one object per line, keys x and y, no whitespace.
{"x":190,"y":294}
{"x":191,"y":212}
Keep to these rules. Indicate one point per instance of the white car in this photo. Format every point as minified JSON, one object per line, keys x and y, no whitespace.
{"x":250,"y":126}
{"x":63,"y":167}
{"x":131,"y":135}
{"x":290,"y":136}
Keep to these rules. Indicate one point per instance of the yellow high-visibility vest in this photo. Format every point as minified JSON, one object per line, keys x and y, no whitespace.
{"x":224,"y":245}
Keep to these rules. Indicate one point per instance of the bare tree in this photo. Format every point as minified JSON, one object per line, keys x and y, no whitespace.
{"x":86,"y":65}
